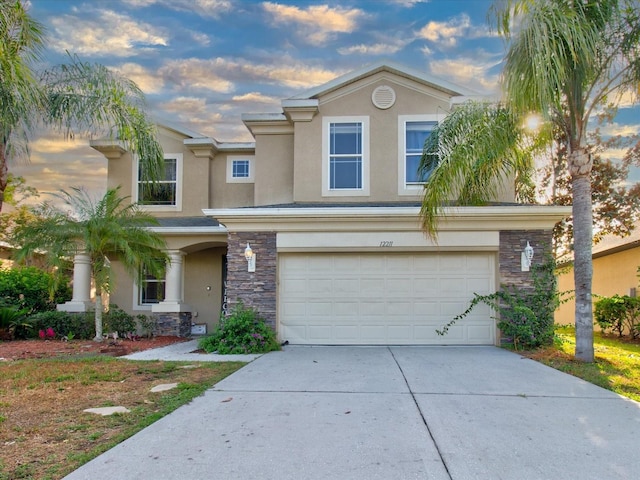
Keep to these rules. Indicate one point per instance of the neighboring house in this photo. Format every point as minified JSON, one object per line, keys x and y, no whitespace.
{"x":615,"y":271}
{"x":328,"y":199}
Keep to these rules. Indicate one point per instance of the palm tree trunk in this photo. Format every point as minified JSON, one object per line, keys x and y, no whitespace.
{"x":4,"y":170}
{"x":580,"y":168}
{"x":98,"y":316}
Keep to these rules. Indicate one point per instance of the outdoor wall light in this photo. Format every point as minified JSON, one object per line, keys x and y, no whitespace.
{"x":526,"y":257}
{"x":251,"y":258}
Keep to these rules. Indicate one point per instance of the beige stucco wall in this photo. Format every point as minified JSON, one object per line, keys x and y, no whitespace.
{"x":223,"y":194}
{"x":195,"y":176}
{"x":202,"y":269}
{"x":274,"y":169}
{"x":614,"y":273}
{"x":355,"y":100}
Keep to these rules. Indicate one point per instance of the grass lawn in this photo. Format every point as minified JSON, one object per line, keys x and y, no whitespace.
{"x":617,"y":365}
{"x":44,"y":433}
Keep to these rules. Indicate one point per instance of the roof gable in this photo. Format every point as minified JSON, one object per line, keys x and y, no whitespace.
{"x":428,"y":80}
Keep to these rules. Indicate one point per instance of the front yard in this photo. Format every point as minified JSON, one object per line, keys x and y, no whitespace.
{"x":44,"y":432}
{"x":617,"y":365}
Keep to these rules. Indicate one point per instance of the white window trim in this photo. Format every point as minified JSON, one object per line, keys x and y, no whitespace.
{"x":161,"y":208}
{"x":326,"y":168}
{"x":250,"y":178}
{"x":403,"y":188}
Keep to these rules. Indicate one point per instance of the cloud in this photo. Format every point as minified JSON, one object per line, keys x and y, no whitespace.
{"x":614,"y":154}
{"x":58,"y":164}
{"x":221,"y":74}
{"x":471,"y":72}
{"x":374,"y":49}
{"x":203,"y":8}
{"x":200,"y":38}
{"x":628,"y":99}
{"x":105,"y":33}
{"x":148,"y":81}
{"x":446,"y":33}
{"x":195,"y":73}
{"x":614,"y":129}
{"x":316,"y":24}
{"x":51,"y":144}
{"x":255,"y":97}
{"x":408,"y":3}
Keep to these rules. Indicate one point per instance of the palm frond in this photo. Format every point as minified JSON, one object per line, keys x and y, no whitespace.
{"x":89,"y":99}
{"x":478,"y":147}
{"x":105,"y":229}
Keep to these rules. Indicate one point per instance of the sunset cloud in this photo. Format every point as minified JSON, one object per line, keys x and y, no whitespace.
{"x":105,"y":33}
{"x":315,"y":24}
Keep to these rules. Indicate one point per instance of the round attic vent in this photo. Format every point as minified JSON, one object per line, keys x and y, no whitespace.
{"x":383,"y":97}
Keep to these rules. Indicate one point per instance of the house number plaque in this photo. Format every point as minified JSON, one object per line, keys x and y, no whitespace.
{"x":386,"y":243}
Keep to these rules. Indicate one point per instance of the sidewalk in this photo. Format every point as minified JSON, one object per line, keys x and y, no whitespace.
{"x":183,"y":352}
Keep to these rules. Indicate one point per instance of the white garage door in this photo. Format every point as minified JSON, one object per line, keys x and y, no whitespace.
{"x":376,"y":299}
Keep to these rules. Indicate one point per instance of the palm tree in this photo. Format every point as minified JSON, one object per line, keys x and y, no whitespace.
{"x":565,"y":59}
{"x":104,"y":230}
{"x":76,"y":98}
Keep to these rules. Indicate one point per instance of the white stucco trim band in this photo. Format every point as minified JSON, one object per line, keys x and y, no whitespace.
{"x":388,"y":218}
{"x":386,"y":241}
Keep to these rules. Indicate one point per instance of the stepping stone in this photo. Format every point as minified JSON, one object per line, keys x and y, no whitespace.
{"x":164,"y":387}
{"x":104,"y":411}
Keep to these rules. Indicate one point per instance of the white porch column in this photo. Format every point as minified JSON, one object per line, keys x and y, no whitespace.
{"x":81,"y":300}
{"x":173,"y":299}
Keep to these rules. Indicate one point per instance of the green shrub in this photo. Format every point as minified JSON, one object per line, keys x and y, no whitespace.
{"x":525,"y":315}
{"x":619,"y":314}
{"x":147,"y":324}
{"x":242,"y":332}
{"x":117,"y":320}
{"x":14,"y":323}
{"x":33,"y":289}
{"x":77,"y":325}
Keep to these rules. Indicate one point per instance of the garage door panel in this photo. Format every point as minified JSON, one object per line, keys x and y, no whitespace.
{"x":373,"y":287}
{"x":374,"y":332}
{"x":371,"y":309}
{"x":346,"y":333}
{"x":317,"y":308}
{"x":481,"y":286}
{"x":384,"y":298}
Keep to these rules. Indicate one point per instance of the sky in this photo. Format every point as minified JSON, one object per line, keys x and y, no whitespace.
{"x":202,"y":63}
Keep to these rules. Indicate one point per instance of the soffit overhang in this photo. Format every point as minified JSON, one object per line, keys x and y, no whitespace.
{"x":319,"y":219}
{"x":112,"y":149}
{"x":267,"y":123}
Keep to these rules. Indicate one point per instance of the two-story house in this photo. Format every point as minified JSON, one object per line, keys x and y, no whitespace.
{"x":325,"y":203}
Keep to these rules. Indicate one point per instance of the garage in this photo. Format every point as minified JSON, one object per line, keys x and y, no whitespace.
{"x":384,"y":298}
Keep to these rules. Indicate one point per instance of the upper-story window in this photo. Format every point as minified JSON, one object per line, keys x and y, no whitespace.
{"x":240,"y":169}
{"x":165,"y":193}
{"x":413,"y":131}
{"x":346,"y":156}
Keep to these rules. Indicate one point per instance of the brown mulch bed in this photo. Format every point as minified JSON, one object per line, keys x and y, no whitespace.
{"x":22,"y":349}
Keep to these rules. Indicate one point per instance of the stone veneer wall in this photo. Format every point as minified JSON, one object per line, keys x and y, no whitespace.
{"x":257,"y":289}
{"x":512,"y":243}
{"x":174,"y":324}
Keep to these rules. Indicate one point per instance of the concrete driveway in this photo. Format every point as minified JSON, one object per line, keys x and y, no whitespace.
{"x":387,"y":413}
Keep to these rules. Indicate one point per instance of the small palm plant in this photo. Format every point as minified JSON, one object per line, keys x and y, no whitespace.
{"x":12,"y":322}
{"x":107,"y":229}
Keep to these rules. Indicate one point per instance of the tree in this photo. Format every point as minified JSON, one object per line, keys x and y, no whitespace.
{"x":104,"y":230}
{"x":76,"y":98}
{"x":615,"y":204}
{"x":564,"y":60}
